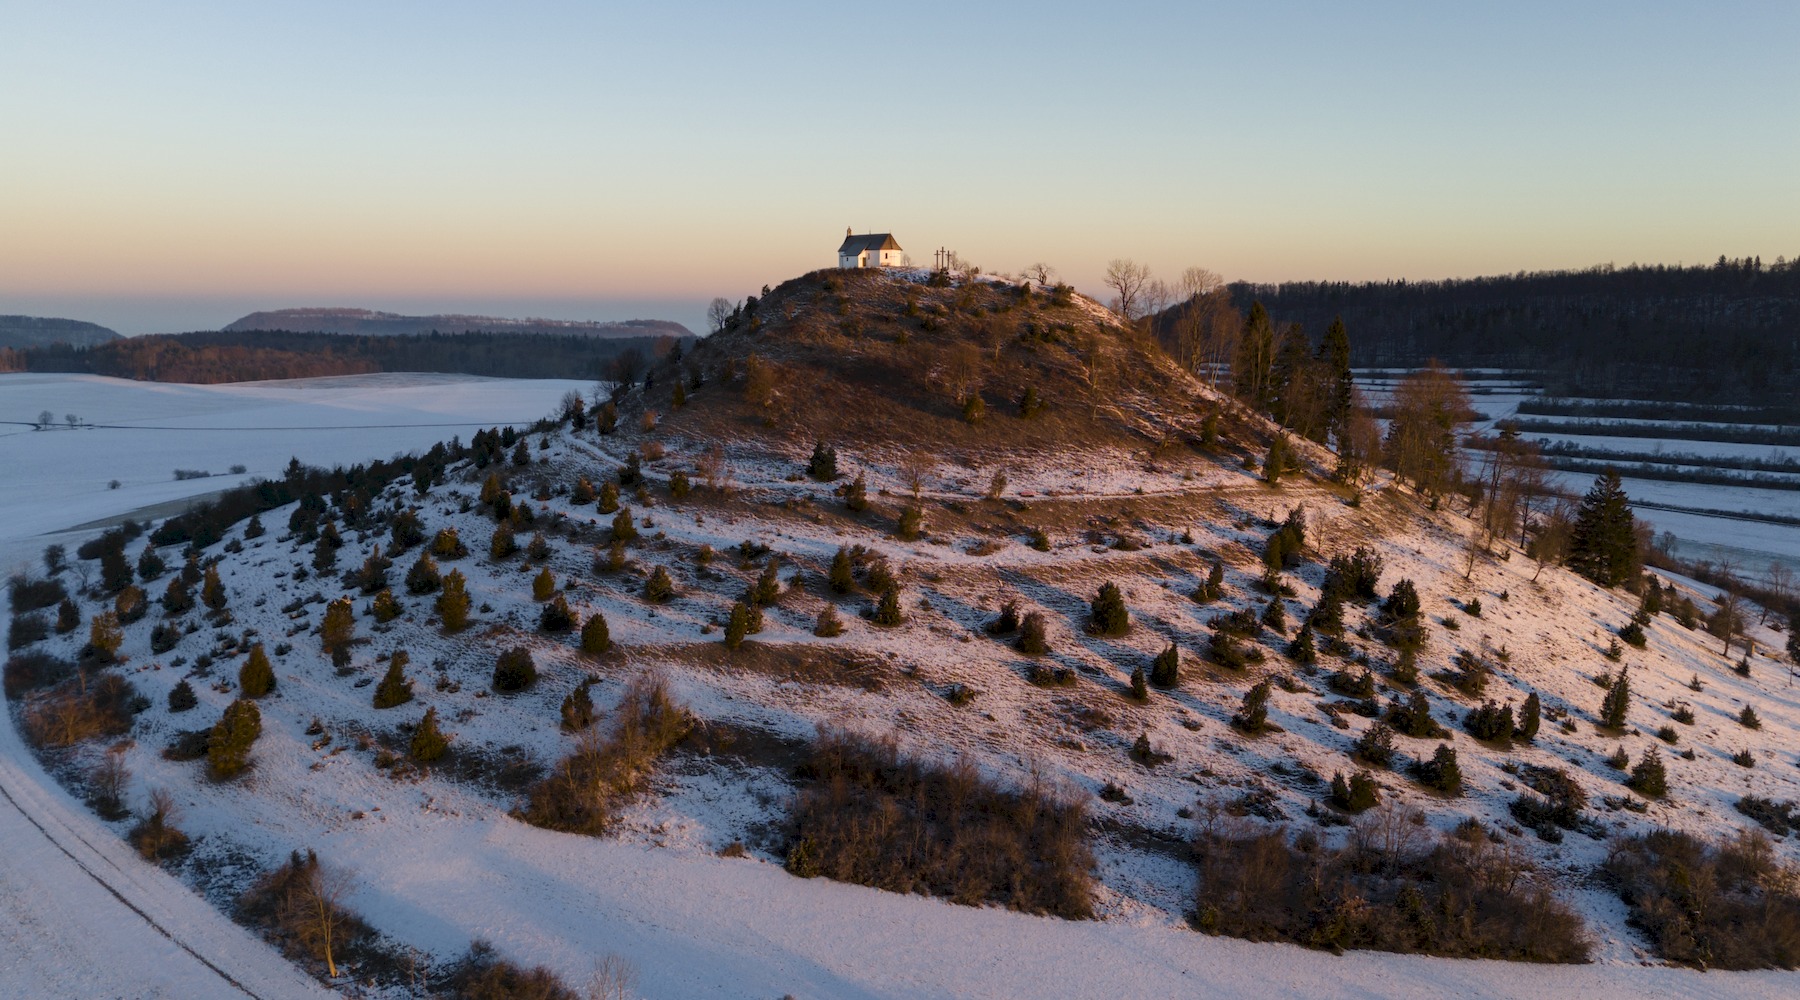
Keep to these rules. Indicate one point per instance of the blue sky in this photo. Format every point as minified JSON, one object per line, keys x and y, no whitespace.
{"x":172,"y":166}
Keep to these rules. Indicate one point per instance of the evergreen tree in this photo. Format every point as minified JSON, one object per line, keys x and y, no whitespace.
{"x":1303,"y":650}
{"x":1529,"y":718}
{"x":448,"y":545}
{"x":856,"y":495}
{"x":828,"y":625}
{"x":1255,"y":356}
{"x":255,"y":528}
{"x":394,"y":688}
{"x":428,"y":742}
{"x":423,"y":577}
{"x":1140,"y":690}
{"x":385,"y":608}
{"x":1032,"y":635}
{"x":177,"y":598}
{"x":1107,"y":615}
{"x":1274,"y":616}
{"x":1793,"y":639}
{"x":555,"y":616}
{"x":887,"y":609}
{"x":624,"y":529}
{"x":212,"y":591}
{"x":182,"y":697}
{"x":659,"y":588}
{"x":1289,"y":376}
{"x":1008,"y":622}
{"x":503,"y":543}
{"x":1358,"y":794}
{"x":578,"y":708}
{"x":104,"y":635}
{"x":543,"y":585}
{"x":1214,"y":587}
{"x":453,"y":602}
{"x":596,"y":638}
{"x":1442,"y":772}
{"x":737,"y":625}
{"x":1749,"y":719}
{"x":841,"y":578}
{"x":1617,"y":703}
{"x":767,"y":588}
{"x":1165,"y":670}
{"x":1278,"y":461}
{"x":609,"y":497}
{"x":256,"y":677}
{"x":228,"y":745}
{"x":823,"y":465}
{"x":1650,"y":778}
{"x":339,"y":626}
{"x":1603,"y":543}
{"x":150,"y":565}
{"x":1253,"y":716}
{"x":1334,"y":356}
{"x":912,"y":523}
{"x":514,"y":670}
{"x":115,"y":572}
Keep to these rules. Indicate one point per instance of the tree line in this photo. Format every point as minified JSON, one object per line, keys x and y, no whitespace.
{"x":1726,"y":331}
{"x":230,"y":356}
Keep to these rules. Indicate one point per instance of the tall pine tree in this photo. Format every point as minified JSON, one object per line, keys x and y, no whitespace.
{"x":1603,"y":545}
{"x":1334,"y":358}
{"x":1250,"y":366}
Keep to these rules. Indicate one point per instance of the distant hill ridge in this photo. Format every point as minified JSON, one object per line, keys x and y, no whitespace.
{"x":369,"y":322}
{"x":40,"y":331}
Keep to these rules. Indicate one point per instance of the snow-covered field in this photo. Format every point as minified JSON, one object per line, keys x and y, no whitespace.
{"x":438,"y":862}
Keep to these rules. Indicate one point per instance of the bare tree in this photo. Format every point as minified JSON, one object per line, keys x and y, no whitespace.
{"x":718,"y":313}
{"x":1041,"y":273}
{"x":1154,"y":298}
{"x":714,"y":469}
{"x":915,"y":466}
{"x":614,"y":978}
{"x":1126,"y":277}
{"x":1781,"y":589}
{"x":311,"y":906}
{"x":962,"y":371}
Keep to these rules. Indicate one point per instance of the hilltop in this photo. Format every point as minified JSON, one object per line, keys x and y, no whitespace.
{"x":368,"y":322}
{"x":835,"y":645}
{"x":38,"y":331}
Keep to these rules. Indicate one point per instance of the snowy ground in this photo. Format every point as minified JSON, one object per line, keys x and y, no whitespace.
{"x":439,"y":863}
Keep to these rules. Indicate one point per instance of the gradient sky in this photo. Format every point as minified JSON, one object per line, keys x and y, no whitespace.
{"x":174,"y":165}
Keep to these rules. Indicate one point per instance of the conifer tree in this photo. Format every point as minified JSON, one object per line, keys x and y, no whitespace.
{"x":543,"y":585}
{"x":609,"y":497}
{"x":385,"y":608}
{"x":823,"y":465}
{"x":659,"y":587}
{"x":679,"y":485}
{"x":177,"y":598}
{"x":1107,"y":614}
{"x":828,"y":625}
{"x":1529,"y":719}
{"x":856,"y":495}
{"x":255,"y":528}
{"x":105,"y":635}
{"x":737,"y":625}
{"x":339,"y":626}
{"x":1617,"y":703}
{"x":453,"y":602}
{"x":68,"y":617}
{"x":1749,"y":719}
{"x":767,"y":588}
{"x":395,"y":688}
{"x":1253,"y":715}
{"x":1442,"y":772}
{"x":1140,"y":690}
{"x":624,"y":529}
{"x":841,"y":578}
{"x":228,"y":745}
{"x":423,"y":577}
{"x":150,"y":565}
{"x":1650,"y":778}
{"x":578,"y":708}
{"x":182,"y":697}
{"x":428,"y":742}
{"x":1254,"y":358}
{"x":256,"y":678}
{"x":1214,"y":587}
{"x":1165,"y":670}
{"x":514,"y":670}
{"x":115,"y":572}
{"x":596,"y":638}
{"x":1603,"y":543}
{"x":1279,"y":459}
{"x":1334,"y":354}
{"x":448,"y":544}
{"x":503,"y":543}
{"x":1303,"y":650}
{"x":1032,"y":640}
{"x":1793,"y":640}
{"x":887,"y":609}
{"x":1274,"y":616}
{"x":912,"y":522}
{"x":555,"y":616}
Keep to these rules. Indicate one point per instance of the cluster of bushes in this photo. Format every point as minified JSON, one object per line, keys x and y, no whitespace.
{"x":1388,"y":889}
{"x":873,"y":816}
{"x":1724,"y":905}
{"x":584,"y":792}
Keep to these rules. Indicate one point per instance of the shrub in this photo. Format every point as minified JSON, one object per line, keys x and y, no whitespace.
{"x":1360,"y":684}
{"x":1032,"y":639}
{"x":596,"y":638}
{"x":503,"y":543}
{"x":73,"y":710}
{"x":1490,"y":722}
{"x":1165,"y":670}
{"x":1252,"y":716}
{"x":1650,"y":778}
{"x":24,"y":630}
{"x":156,"y":836}
{"x":1008,"y":622}
{"x":256,"y":678}
{"x":1375,"y":746}
{"x":578,"y":707}
{"x":453,"y":602}
{"x":1441,"y":773}
{"x":105,"y":636}
{"x":428,"y":743}
{"x":1355,"y":795}
{"x":228,"y":745}
{"x":1107,"y":615}
{"x":448,"y":545}
{"x":181,"y":697}
{"x":1779,"y":818}
{"x":68,"y":614}
{"x":1744,"y":758}
{"x":394,"y":689}
{"x":1633,"y":634}
{"x":872,"y":816}
{"x":514,"y":670}
{"x":1723,"y":905}
{"x":29,"y":595}
{"x":555,"y":616}
{"x":1748,"y":718}
{"x":163,"y":637}
{"x":584,"y":792}
{"x":1383,"y":891}
{"x":1413,"y":718}
{"x":483,"y":975}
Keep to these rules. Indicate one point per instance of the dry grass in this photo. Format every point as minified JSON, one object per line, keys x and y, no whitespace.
{"x":79,"y":709}
{"x":877,"y":818}
{"x":1391,"y":889}
{"x":1727,"y":905}
{"x":586,"y":789}
{"x":800,"y":663}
